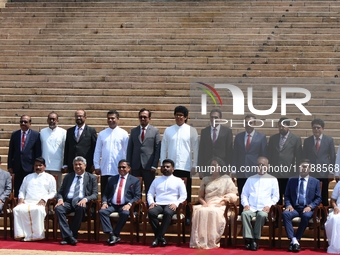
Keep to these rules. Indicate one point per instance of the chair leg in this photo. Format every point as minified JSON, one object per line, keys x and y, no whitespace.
{"x":179,"y":234}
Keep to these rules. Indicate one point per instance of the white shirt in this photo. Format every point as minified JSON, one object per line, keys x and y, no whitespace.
{"x":52,"y":147}
{"x":218,"y":127}
{"x":38,"y":186}
{"x":167,"y":190}
{"x":180,"y":144}
{"x":73,"y":185}
{"x":260,"y":191}
{"x":111,"y":147}
{"x":122,"y":197}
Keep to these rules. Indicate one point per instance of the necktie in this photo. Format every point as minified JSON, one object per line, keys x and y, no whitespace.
{"x":78,"y":134}
{"x":214,"y":135}
{"x":120,"y":188}
{"x":317,"y":145}
{"x":142,"y":135}
{"x":282,"y":142}
{"x":75,"y":198}
{"x":248,"y":142}
{"x":301,"y":198}
{"x":23,"y":138}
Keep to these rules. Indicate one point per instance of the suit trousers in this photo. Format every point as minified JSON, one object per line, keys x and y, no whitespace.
{"x":282,"y":188}
{"x":287,"y":221}
{"x":103,"y":183}
{"x":62,"y":211}
{"x":104,"y":215}
{"x":159,"y":230}
{"x":324,"y":190}
{"x":248,"y":231}
{"x":19,"y":177}
{"x":147,"y":176}
{"x":185,"y":174}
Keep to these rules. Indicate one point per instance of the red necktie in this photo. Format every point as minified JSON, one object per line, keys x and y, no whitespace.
{"x":248,"y":143}
{"x":142,"y":135}
{"x":317,"y":145}
{"x":23,"y":138}
{"x":119,"y":195}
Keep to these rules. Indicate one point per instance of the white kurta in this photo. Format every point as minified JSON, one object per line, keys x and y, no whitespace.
{"x":332,"y":225}
{"x":29,"y":217}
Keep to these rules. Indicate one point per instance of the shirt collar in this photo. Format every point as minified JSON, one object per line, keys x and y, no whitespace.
{"x":319,"y":137}
{"x":145,"y":128}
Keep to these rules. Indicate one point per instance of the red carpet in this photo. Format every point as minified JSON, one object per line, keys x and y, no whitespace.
{"x":125,"y":248}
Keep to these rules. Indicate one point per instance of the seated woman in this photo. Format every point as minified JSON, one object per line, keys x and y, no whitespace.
{"x":208,"y":220}
{"x":332,"y":224}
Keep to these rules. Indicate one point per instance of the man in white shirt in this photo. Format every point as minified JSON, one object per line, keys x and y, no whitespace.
{"x":30,"y":212}
{"x":259,"y":193}
{"x":180,"y":144}
{"x":165,"y":194}
{"x":110,"y":148}
{"x":52,"y":146}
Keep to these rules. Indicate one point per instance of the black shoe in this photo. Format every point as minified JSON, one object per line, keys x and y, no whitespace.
{"x":253,"y":246}
{"x":296,"y":247}
{"x":290,"y":248}
{"x":63,"y":242}
{"x":247,"y":246}
{"x":187,"y":222}
{"x":155,"y":243}
{"x":72,"y":240}
{"x":113,"y":239}
{"x":163,"y":242}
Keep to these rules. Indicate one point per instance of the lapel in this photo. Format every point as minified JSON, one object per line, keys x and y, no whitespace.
{"x":127,"y":184}
{"x":288,"y":140}
{"x":85,"y":181}
{"x":139,"y":134}
{"x":69,"y":183}
{"x":313,"y":145}
{"x":253,"y":139}
{"x":73,"y":135}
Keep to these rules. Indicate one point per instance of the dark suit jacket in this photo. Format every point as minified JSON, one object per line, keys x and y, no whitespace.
{"x":90,"y":186}
{"x":326,"y":154}
{"x":132,"y":191}
{"x":85,"y":147}
{"x":18,"y":159}
{"x":313,"y":193}
{"x":290,"y":155}
{"x":222,"y":148}
{"x":242,"y":158}
{"x":146,"y":153}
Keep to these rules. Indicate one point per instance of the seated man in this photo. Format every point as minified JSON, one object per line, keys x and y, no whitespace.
{"x":5,"y":186}
{"x":300,"y":202}
{"x":259,"y":193}
{"x":121,"y":191}
{"x":77,"y":189}
{"x":165,"y":194}
{"x":30,"y":212}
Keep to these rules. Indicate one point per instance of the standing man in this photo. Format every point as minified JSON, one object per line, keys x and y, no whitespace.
{"x":284,"y":150}
{"x":216,"y":141}
{"x":248,"y":147}
{"x":77,"y":190}
{"x":52,"y":145}
{"x":259,"y":193}
{"x":121,"y":192}
{"x":165,"y":194}
{"x":5,"y":186}
{"x":80,"y":141}
{"x":144,"y":149}
{"x":302,"y":196}
{"x":319,"y":149}
{"x":180,"y":144}
{"x":24,"y":147}
{"x":110,"y":149}
{"x":30,"y":212}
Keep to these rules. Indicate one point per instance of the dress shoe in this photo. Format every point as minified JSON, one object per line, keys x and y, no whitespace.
{"x":247,"y":246}
{"x":296,"y":247}
{"x":163,"y":242}
{"x":155,"y":243}
{"x":63,"y":242}
{"x":113,"y":239}
{"x":187,"y":222}
{"x":290,"y":248}
{"x":72,"y":240}
{"x":253,"y":246}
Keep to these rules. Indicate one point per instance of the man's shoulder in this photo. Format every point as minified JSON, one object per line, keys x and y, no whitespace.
{"x":92,"y":176}
{"x":4,"y":173}
{"x":275,"y":136}
{"x":34,"y":133}
{"x":89,"y":128}
{"x":240,"y":135}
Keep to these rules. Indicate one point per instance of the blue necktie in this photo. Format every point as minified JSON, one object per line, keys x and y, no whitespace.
{"x":301,"y":198}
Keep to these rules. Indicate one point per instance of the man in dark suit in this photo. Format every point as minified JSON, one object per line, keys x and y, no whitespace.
{"x":77,"y":190}
{"x":216,"y":141}
{"x":121,"y":191}
{"x":80,"y":141}
{"x":302,"y":196}
{"x":24,"y":148}
{"x":144,"y":149}
{"x":284,"y":152}
{"x":248,"y":147}
{"x":319,"y":149}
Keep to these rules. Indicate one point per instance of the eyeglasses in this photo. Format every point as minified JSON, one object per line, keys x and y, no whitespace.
{"x":143,"y":117}
{"x":23,"y":121}
{"x":121,"y":167}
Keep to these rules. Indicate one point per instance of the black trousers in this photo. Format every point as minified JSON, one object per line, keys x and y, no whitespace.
{"x":159,"y":230}
{"x":185,"y":174}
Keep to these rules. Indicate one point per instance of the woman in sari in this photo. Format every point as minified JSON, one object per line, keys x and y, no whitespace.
{"x":332,"y":224}
{"x":208,"y":220}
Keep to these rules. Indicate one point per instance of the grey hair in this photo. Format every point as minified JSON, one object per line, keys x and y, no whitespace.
{"x":79,"y":158}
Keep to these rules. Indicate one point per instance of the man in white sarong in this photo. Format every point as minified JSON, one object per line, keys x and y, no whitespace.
{"x":30,"y":212}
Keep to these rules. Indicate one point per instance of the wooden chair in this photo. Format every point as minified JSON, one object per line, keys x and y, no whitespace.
{"x":133,"y":220}
{"x":270,"y":222}
{"x":178,"y":219}
{"x":90,"y":215}
{"x":7,"y":212}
